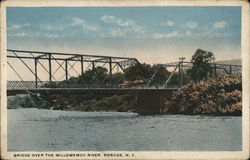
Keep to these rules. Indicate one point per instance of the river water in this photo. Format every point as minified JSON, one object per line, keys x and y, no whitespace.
{"x":50,"y":130}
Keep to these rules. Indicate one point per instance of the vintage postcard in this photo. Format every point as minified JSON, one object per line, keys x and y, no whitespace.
{"x":106,"y":79}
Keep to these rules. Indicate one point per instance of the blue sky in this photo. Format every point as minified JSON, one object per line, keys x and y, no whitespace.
{"x":151,"y":34}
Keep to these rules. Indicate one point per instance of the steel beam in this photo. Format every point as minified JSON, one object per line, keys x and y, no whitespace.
{"x":66,"y":70}
{"x":44,"y":55}
{"x":76,"y":56}
{"x":215,"y":70}
{"x":15,"y":71}
{"x":36,"y":71}
{"x":82,"y":69}
{"x":67,"y":54}
{"x":120,"y":66}
{"x":50,"y":69}
{"x":25,"y":64}
{"x":59,"y":59}
{"x":110,"y":66}
{"x":93,"y":65}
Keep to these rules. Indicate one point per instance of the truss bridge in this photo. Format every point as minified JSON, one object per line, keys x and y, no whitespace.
{"x":35,"y":70}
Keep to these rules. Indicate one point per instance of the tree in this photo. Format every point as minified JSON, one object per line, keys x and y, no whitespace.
{"x":201,"y":68}
{"x":162,"y":74}
{"x":90,"y":78}
{"x":98,"y":77}
{"x":138,"y":72}
{"x":117,"y":78}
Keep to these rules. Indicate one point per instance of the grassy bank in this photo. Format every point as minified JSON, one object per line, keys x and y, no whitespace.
{"x":26,"y":101}
{"x":215,"y":96}
{"x":84,"y":102}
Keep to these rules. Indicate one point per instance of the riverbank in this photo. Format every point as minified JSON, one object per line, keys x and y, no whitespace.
{"x":118,"y":103}
{"x":216,"y":96}
{"x":85,"y":102}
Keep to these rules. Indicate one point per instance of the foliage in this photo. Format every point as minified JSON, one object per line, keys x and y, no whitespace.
{"x":221,"y":95}
{"x":117,"y":78}
{"x":26,"y":101}
{"x":145,"y":72}
{"x":161,"y":75}
{"x":175,"y":79}
{"x":99,"y":101}
{"x":201,"y":65}
{"x":120,"y":103}
{"x":98,"y":77}
{"x":138,"y":72}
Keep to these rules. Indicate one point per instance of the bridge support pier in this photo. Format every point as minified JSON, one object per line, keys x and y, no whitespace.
{"x":152,"y":101}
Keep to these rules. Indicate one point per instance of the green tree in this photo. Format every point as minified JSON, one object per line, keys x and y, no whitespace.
{"x":98,"y":77}
{"x":175,"y":79}
{"x":138,"y":72}
{"x":117,"y":78}
{"x":162,"y":74}
{"x":94,"y":77}
{"x":201,"y":68}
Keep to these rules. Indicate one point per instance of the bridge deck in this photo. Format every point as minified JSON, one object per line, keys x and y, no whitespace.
{"x":81,"y":90}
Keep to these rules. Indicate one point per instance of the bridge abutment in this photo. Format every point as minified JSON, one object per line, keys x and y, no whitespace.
{"x":152,"y":101}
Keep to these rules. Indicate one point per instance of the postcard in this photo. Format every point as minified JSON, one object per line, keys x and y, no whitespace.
{"x":125,"y":79}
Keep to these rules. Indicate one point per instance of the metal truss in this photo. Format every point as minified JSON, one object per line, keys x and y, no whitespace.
{"x":66,"y":61}
{"x":182,"y":66}
{"x":226,"y":68}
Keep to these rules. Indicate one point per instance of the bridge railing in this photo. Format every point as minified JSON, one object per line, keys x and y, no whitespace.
{"x":46,"y":84}
{"x":25,"y":84}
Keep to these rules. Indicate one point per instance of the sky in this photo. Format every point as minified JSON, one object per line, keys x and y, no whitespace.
{"x":150,"y":34}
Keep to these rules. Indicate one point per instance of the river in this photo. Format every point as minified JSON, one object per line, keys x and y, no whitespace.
{"x":51,"y":130}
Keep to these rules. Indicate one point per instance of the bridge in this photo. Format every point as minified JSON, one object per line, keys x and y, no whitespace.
{"x":65,"y":61}
{"x":48,"y":67}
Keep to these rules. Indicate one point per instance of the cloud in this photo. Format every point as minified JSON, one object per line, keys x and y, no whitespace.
{"x":173,"y":34}
{"x":189,"y":33}
{"x":18,"y":26}
{"x":53,"y":36}
{"x":211,"y":34}
{"x":36,"y":34}
{"x":126,"y":25}
{"x":81,"y":22}
{"x":75,"y":22}
{"x":52,"y":27}
{"x":220,"y":24}
{"x":168,"y":23}
{"x":118,"y":33}
{"x":191,"y":25}
{"x":108,"y":19}
{"x":21,"y":34}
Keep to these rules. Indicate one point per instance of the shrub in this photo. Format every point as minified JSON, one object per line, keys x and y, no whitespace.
{"x":221,"y":95}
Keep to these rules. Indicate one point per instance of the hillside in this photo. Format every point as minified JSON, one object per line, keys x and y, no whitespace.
{"x":233,"y":61}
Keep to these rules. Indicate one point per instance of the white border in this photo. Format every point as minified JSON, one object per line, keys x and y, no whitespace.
{"x":139,"y":155}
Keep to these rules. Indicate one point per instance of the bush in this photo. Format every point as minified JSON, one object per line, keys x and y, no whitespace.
{"x":221,"y":95}
{"x":26,"y":101}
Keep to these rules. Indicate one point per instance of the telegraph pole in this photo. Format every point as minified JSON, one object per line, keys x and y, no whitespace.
{"x":182,"y":71}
